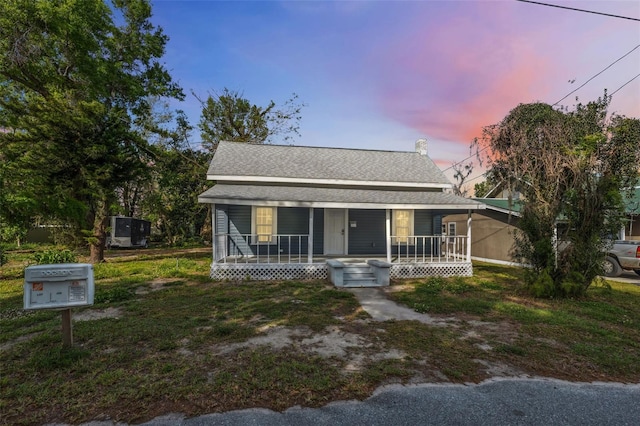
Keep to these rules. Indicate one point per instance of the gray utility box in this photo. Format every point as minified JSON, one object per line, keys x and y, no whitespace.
{"x":58,"y":286}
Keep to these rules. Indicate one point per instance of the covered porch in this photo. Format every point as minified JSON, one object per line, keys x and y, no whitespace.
{"x":292,"y":212}
{"x":332,"y":238}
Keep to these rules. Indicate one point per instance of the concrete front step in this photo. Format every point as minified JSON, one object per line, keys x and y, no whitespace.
{"x":348,"y":275}
{"x":359,"y":268}
{"x":361,"y":283}
{"x":358,"y":274}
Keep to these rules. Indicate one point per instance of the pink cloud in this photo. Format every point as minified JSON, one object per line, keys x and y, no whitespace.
{"x":458,"y":74}
{"x":461,"y":70}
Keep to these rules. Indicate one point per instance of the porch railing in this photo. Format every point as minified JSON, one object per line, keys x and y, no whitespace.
{"x":429,"y":248}
{"x":254,"y":248}
{"x":293,"y":248}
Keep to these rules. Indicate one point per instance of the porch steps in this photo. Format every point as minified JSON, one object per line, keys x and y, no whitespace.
{"x":374,"y":273}
{"x":359,"y":275}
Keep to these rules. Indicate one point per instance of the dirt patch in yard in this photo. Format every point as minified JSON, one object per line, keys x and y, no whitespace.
{"x":96,"y":314}
{"x":334,"y":342}
{"x":359,"y":347}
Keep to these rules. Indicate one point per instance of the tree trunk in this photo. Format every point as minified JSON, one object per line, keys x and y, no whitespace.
{"x":99,"y":235}
{"x":207,"y":228}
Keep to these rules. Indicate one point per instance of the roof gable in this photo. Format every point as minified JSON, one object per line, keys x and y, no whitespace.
{"x":286,"y":163}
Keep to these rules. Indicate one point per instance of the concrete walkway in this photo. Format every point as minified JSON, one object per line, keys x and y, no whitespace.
{"x":627,"y":277}
{"x":375,"y":303}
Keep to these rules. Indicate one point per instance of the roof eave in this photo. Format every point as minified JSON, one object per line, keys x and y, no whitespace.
{"x":262,"y":180}
{"x":339,"y":205}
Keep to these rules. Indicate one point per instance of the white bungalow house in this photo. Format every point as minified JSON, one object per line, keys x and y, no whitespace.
{"x":355,"y":216}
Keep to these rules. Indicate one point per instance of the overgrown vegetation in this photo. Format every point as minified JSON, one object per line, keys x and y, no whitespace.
{"x":163,"y":338}
{"x":229,"y":116}
{"x":572,"y":167}
{"x":55,"y":255}
{"x":76,"y":84}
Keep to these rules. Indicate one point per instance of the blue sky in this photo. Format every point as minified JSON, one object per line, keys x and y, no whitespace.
{"x":381,"y":74}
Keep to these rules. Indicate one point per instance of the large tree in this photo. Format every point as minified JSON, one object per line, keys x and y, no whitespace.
{"x":170,"y":196}
{"x":172,"y":204}
{"x":571,"y":167}
{"x":231,"y":117}
{"x":75,"y":79}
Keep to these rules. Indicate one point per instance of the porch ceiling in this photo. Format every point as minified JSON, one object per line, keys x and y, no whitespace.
{"x":301,"y":196}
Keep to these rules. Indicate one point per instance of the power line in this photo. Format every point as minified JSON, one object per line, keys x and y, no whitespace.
{"x":465,"y":159}
{"x":608,"y":66}
{"x":572,"y":92}
{"x":476,"y":177}
{"x":566,"y":96}
{"x":486,"y":147}
{"x":579,"y":10}
{"x":625,"y":84}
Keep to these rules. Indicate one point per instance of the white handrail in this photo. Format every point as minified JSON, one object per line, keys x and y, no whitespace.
{"x":292,"y":248}
{"x":255,"y":248}
{"x":431,"y":248}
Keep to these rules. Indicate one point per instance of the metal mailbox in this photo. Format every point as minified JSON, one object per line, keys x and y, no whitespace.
{"x":63,"y":285}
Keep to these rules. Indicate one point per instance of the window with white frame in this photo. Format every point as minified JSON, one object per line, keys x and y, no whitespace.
{"x":264,"y":223}
{"x":451,"y":231}
{"x":403,"y":226}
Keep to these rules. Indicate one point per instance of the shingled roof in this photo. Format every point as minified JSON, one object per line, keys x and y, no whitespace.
{"x":285,"y":175}
{"x":314,"y":163}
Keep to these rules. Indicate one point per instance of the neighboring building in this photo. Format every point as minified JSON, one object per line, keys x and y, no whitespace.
{"x":493,"y":227}
{"x":631,"y":231}
{"x":280,"y":212}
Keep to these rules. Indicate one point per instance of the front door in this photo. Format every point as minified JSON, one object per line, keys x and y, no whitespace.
{"x":334,"y":231}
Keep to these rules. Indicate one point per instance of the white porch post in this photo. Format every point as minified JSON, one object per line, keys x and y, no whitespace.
{"x":213,"y":232}
{"x":468,"y":235}
{"x":310,"y":239}
{"x":388,"y":234}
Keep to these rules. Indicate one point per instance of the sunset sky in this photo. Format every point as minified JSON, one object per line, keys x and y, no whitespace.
{"x":381,"y":74}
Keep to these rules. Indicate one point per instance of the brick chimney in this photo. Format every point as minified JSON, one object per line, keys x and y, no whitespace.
{"x":421,"y":146}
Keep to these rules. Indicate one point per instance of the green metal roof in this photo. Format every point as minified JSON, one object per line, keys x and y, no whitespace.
{"x":503,"y":205}
{"x":632,"y":203}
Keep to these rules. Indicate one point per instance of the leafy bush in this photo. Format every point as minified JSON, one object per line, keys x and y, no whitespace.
{"x":55,"y":256}
{"x":112,"y":295}
{"x":549,"y":284}
{"x":540,"y":284}
{"x":573,"y":285}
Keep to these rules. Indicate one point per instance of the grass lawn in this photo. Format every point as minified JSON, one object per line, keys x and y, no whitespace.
{"x":162,"y":337}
